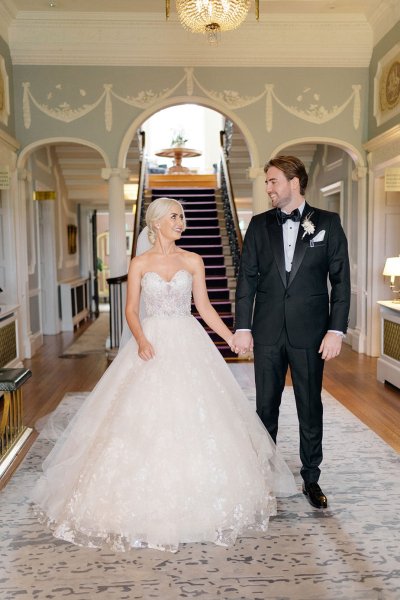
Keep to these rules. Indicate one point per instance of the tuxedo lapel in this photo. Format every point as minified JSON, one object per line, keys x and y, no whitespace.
{"x":276,"y":239}
{"x":301,"y":243}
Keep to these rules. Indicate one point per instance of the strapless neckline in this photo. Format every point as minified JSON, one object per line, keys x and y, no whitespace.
{"x":167,"y":280}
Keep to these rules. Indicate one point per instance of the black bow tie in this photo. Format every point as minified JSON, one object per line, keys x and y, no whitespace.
{"x":294,"y":216}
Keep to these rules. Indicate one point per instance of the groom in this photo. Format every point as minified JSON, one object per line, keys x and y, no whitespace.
{"x":284,"y":310}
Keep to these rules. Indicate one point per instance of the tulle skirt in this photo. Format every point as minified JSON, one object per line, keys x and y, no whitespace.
{"x":163,"y":452}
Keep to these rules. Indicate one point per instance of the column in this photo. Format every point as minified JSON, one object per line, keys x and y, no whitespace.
{"x":359,"y":174}
{"x":116,"y":204}
{"x":261,"y":201}
{"x":23,"y":178}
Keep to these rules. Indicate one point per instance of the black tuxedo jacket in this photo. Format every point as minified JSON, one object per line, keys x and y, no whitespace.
{"x":265,"y":303}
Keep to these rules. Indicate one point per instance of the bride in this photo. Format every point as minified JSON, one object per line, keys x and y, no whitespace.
{"x":166,"y":449}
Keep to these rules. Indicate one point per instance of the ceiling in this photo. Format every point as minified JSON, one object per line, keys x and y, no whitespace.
{"x":135,"y":32}
{"x":290,"y":33}
{"x":365,"y":7}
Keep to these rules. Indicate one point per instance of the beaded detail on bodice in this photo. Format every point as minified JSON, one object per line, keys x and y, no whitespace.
{"x":167,"y":298}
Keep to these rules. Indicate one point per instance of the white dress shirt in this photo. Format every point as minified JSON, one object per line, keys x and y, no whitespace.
{"x":290,"y":229}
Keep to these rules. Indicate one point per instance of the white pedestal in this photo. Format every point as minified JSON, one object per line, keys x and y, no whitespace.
{"x":388,"y":364}
{"x":75,"y":302}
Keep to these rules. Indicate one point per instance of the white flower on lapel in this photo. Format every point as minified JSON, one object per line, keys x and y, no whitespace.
{"x":307,"y":225}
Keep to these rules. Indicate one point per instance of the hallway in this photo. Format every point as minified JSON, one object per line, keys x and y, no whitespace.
{"x":305,"y":555}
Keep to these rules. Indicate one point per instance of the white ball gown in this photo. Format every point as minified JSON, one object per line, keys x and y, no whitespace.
{"x":166,"y":451}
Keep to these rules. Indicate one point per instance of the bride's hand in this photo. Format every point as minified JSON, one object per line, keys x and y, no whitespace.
{"x":230,"y":342}
{"x":145,"y":350}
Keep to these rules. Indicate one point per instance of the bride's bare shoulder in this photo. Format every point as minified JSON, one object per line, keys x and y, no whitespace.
{"x":193,"y":260}
{"x":138,"y":263}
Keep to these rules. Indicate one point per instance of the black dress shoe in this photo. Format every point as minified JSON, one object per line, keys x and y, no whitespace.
{"x":315,"y":495}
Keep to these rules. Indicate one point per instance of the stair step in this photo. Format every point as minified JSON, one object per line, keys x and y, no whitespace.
{"x":215,"y":261}
{"x":214,"y":270}
{"x":190,"y":208}
{"x":170,"y":192}
{"x":194,"y":221}
{"x":220,"y":306}
{"x":206,"y":235}
{"x":218,"y":294}
{"x":210,"y":213}
{"x":214,"y":282}
{"x":203,"y":249}
{"x":204,"y":240}
{"x":202,"y":230}
{"x":227,"y":319}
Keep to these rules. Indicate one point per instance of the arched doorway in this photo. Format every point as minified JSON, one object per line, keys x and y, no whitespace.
{"x":337,"y":182}
{"x":60,"y":185}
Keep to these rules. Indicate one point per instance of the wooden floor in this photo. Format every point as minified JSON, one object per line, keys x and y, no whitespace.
{"x":350,"y":378}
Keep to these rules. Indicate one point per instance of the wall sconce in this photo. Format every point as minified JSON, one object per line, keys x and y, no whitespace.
{"x":392,"y":270}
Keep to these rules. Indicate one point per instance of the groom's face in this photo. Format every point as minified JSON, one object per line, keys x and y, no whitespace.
{"x":279,"y":189}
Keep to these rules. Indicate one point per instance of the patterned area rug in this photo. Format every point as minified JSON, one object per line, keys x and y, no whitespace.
{"x":93,"y":340}
{"x":349,"y":551}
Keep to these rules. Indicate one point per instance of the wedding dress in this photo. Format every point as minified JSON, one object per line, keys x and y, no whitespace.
{"x":166,"y":451}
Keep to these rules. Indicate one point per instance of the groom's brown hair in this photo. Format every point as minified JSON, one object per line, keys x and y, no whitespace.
{"x":291,"y":166}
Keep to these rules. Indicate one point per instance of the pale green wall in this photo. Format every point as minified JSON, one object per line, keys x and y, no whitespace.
{"x":76,"y":86}
{"x":383,"y":47}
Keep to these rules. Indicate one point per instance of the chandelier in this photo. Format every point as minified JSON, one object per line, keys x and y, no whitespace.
{"x":211,"y":17}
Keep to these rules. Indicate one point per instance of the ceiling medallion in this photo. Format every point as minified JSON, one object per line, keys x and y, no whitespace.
{"x":211,"y":17}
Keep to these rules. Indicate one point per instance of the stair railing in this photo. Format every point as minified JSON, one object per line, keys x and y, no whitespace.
{"x":117,"y":285}
{"x":117,"y":288}
{"x":230,"y":212}
{"x":139,"y":215}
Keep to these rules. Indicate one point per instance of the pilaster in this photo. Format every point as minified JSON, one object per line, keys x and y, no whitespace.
{"x":117,"y":239}
{"x":260,"y":198}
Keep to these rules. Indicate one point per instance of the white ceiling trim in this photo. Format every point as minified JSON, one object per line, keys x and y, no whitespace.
{"x":6,"y":18}
{"x":383,"y":20}
{"x":306,"y":42}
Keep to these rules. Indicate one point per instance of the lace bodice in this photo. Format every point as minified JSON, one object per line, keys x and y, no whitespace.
{"x":167,"y":298}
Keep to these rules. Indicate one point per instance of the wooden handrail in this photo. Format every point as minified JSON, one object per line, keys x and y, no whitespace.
{"x":232,"y":205}
{"x":139,"y":199}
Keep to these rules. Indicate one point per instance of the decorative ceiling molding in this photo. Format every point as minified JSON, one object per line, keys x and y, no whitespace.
{"x":308,"y":105}
{"x":314,"y":42}
{"x":384,"y":18}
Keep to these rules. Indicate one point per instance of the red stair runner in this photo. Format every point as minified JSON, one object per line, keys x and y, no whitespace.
{"x":203,"y":236}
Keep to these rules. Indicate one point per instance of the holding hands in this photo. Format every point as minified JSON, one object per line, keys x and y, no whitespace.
{"x":242,"y":342}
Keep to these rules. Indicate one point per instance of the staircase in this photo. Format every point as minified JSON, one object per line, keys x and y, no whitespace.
{"x":206,"y":235}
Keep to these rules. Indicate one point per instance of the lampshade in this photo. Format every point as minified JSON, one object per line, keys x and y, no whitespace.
{"x":392,"y":267}
{"x":213,"y":16}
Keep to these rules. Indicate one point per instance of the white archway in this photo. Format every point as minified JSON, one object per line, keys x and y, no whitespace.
{"x":349,"y":148}
{"x":357,"y":336}
{"x":54,"y":231}
{"x":176,"y":100}
{"x":27,"y":150}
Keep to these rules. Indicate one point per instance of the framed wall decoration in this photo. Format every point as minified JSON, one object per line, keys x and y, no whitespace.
{"x":387,"y":86}
{"x":72,"y":231}
{"x":4,"y":93}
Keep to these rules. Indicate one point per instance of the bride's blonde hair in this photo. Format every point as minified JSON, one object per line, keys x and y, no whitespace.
{"x":156,"y":211}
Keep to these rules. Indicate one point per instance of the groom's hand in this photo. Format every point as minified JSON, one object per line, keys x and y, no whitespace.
{"x":243,"y":342}
{"x":330,"y":346}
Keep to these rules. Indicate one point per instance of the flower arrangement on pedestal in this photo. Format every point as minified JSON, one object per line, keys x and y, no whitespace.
{"x":178,"y":140}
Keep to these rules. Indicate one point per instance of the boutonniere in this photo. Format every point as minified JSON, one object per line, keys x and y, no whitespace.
{"x":307,"y":225}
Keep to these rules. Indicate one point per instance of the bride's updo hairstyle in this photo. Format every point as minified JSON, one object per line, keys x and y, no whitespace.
{"x":157,"y":210}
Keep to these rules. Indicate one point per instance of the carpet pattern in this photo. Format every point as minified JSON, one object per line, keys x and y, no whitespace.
{"x":93,"y":340}
{"x":348,"y":552}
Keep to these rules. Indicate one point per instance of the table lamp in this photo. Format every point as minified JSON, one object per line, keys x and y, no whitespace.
{"x":392,"y":270}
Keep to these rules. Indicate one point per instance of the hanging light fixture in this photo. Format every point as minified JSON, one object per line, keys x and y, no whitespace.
{"x":211,"y":17}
